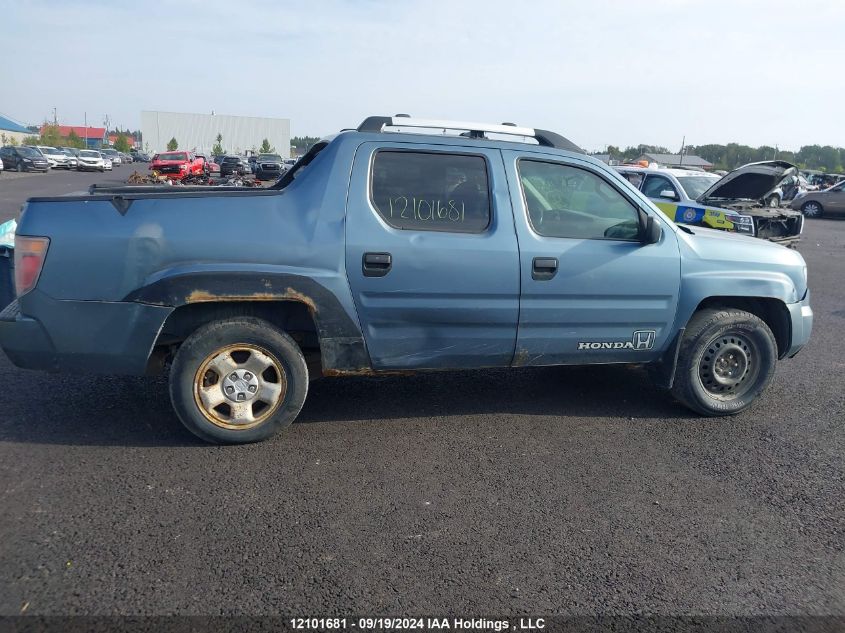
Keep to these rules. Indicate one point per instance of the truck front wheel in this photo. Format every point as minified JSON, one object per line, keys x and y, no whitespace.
{"x":727,"y":358}
{"x":238,"y":380}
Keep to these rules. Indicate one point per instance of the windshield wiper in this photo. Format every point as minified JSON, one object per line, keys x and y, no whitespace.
{"x":685,"y":229}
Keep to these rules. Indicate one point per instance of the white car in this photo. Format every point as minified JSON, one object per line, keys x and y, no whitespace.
{"x":113,"y":154}
{"x":55,"y":157}
{"x":91,"y":160}
{"x":71,"y":157}
{"x":108,"y":163}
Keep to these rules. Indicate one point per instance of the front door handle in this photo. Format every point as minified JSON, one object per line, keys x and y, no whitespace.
{"x":376,"y":264}
{"x":544,"y":268}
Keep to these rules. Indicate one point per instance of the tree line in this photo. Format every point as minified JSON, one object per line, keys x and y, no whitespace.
{"x":824,"y":158}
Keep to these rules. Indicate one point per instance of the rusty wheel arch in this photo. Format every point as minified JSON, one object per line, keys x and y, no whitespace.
{"x":297,"y":305}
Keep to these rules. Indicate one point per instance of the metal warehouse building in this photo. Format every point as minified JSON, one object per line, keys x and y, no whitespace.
{"x":199,"y":132}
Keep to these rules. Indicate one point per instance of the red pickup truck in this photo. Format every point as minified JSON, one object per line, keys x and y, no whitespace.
{"x":177,"y":165}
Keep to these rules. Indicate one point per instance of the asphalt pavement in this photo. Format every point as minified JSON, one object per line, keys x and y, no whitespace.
{"x":533,"y":491}
{"x":16,"y":187}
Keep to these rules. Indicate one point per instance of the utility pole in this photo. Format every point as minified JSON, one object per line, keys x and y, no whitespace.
{"x":86,"y":130}
{"x":55,"y":116}
{"x":683,"y":144}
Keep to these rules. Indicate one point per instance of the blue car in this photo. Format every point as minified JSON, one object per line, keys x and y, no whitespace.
{"x":403,"y":245}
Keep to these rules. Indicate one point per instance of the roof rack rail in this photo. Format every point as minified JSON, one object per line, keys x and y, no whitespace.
{"x":473,"y":130}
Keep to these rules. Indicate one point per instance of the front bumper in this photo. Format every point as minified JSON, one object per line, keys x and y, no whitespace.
{"x":801,"y":317}
{"x":80,"y":336}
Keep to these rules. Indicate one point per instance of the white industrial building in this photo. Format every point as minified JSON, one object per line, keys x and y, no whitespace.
{"x":198,"y":132}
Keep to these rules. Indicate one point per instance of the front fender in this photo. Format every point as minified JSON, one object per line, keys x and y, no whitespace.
{"x":698,"y":287}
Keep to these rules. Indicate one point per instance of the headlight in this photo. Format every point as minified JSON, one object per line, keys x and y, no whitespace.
{"x":27,"y":160}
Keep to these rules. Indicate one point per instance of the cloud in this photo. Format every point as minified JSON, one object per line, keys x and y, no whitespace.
{"x":599,"y":72}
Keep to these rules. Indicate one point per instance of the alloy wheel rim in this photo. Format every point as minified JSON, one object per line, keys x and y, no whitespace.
{"x":811,"y":209}
{"x":239,"y":386}
{"x":728,"y":366}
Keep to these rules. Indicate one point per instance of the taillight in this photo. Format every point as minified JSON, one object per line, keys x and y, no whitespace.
{"x":29,"y":260}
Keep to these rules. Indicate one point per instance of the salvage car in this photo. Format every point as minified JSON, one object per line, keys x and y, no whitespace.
{"x":90,"y":160}
{"x":112,"y":154}
{"x":397,"y":248}
{"x":815,"y":204}
{"x":268,"y":167}
{"x":71,"y":157}
{"x":23,"y":158}
{"x":234,"y":165}
{"x":55,"y":157}
{"x":733,"y":202}
{"x":177,"y":165}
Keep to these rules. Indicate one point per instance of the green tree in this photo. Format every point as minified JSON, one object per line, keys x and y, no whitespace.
{"x":50,"y":136}
{"x":265,"y":147}
{"x":217,"y":148}
{"x":31,"y":140}
{"x":303,"y":143}
{"x":73,"y":140}
{"x":121,"y":144}
{"x":172,"y":144}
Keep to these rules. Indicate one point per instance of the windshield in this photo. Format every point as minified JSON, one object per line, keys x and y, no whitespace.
{"x":273,"y":157}
{"x":696,"y":185}
{"x":231,"y":159}
{"x":173,"y":156}
{"x":29,"y":152}
{"x":88,"y":153}
{"x":48,"y":150}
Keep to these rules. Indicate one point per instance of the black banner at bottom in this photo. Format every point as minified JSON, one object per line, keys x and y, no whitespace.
{"x":533,"y":624}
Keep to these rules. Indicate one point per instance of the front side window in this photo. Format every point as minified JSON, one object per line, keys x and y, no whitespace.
{"x":566,"y":201}
{"x":427,"y":191}
{"x":660,"y":187}
{"x":697,"y":185}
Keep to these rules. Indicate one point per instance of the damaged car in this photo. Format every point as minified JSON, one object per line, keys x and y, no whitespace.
{"x":733,"y":202}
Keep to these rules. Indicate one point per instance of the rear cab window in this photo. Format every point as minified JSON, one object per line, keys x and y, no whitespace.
{"x":431,"y":191}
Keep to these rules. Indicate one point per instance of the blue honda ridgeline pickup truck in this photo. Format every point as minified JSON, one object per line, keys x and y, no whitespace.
{"x":404,"y":245}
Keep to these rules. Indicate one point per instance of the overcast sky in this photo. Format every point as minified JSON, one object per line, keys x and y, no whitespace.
{"x":598,"y":72}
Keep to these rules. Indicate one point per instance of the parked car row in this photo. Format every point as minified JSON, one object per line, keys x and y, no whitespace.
{"x":42,"y":158}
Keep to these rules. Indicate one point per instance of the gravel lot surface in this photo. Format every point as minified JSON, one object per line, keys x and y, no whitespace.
{"x":537,"y":491}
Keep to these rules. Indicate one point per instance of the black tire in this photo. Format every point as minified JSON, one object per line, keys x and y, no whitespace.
{"x":238,"y":335}
{"x":727,"y":358}
{"x":812,"y":209}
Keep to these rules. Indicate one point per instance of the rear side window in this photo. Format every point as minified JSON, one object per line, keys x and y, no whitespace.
{"x":431,"y":191}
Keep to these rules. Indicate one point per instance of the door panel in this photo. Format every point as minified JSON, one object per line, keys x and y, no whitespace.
{"x":835,"y":201}
{"x":611,"y":300}
{"x":432,"y":298}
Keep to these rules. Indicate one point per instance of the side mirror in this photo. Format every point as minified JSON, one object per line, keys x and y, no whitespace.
{"x":650,"y":230}
{"x":669,"y":194}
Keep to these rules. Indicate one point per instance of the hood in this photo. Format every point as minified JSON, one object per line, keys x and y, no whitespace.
{"x":749,"y":182}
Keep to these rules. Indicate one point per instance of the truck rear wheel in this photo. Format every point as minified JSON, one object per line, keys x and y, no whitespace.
{"x":238,"y":380}
{"x":727,"y":358}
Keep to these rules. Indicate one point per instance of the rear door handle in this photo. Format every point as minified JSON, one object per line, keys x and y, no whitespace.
{"x":544,"y":268}
{"x":376,"y":264}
